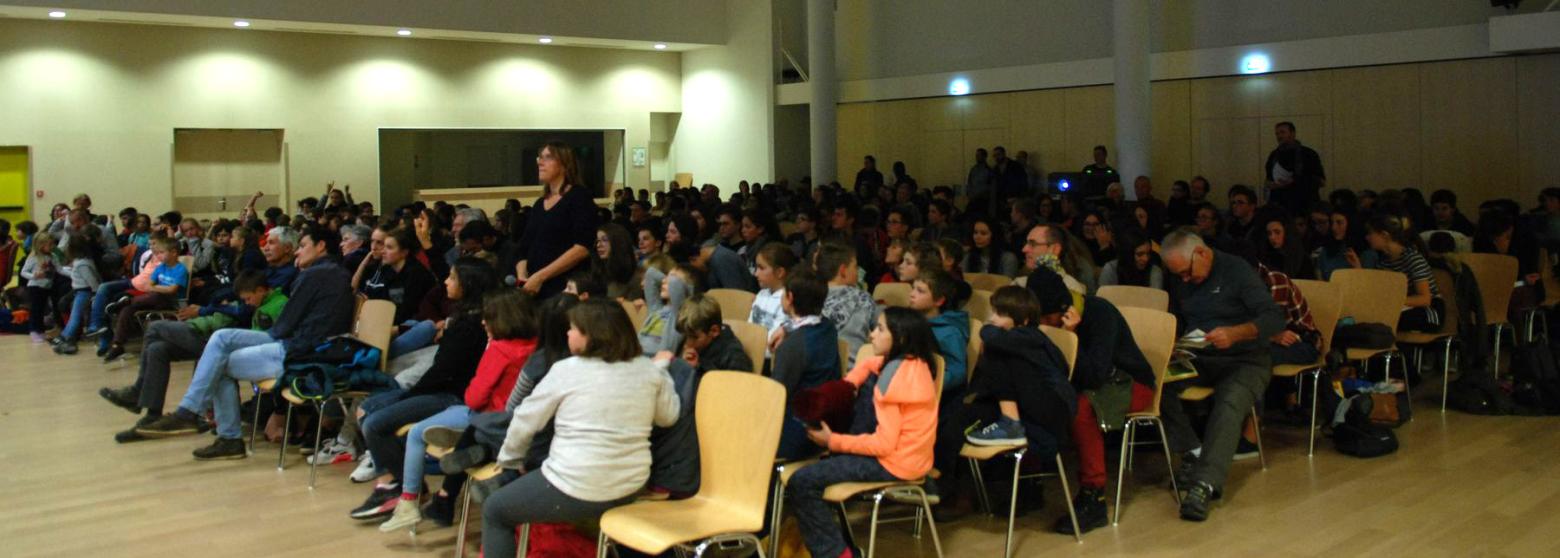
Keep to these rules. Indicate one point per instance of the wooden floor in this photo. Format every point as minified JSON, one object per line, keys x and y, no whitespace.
{"x":1460,"y":486}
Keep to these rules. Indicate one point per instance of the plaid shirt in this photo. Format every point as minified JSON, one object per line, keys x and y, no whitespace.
{"x":1297,"y":313}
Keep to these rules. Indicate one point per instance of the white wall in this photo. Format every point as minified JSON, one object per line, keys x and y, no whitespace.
{"x":728,"y":98}
{"x":98,"y":103}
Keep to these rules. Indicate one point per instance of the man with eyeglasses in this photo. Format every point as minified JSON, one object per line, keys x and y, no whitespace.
{"x":1219,"y":294}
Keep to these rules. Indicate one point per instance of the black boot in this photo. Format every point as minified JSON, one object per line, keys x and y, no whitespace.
{"x":1092,"y":512}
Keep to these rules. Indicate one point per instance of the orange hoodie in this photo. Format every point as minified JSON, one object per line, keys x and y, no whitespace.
{"x":906,"y":407}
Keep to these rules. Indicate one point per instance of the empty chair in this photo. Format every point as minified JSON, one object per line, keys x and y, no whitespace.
{"x":1154,"y":332}
{"x":1497,"y":277}
{"x":1326,"y":303}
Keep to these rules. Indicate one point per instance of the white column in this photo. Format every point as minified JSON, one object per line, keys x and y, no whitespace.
{"x":1134,"y":114}
{"x":825,"y":89}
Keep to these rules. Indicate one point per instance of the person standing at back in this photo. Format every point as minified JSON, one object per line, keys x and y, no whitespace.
{"x":1294,"y":171}
{"x":561,"y":227}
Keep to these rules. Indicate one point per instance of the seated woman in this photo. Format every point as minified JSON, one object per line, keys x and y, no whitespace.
{"x":613,"y":259}
{"x":1424,"y":307}
{"x":987,"y":254}
{"x":890,"y":440}
{"x":1347,"y":237}
{"x":1136,"y":264}
{"x":393,"y":273}
{"x":602,"y":403}
{"x":510,"y":320}
{"x":461,"y":346}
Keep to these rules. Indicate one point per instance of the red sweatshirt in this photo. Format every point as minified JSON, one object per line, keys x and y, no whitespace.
{"x":497,"y":372}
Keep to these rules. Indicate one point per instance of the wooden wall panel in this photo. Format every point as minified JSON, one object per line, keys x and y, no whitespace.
{"x":1538,"y":137}
{"x":985,"y":111}
{"x":1376,"y":137}
{"x":1226,"y":97}
{"x":1228,"y":151}
{"x":1171,"y":135}
{"x":855,"y":138}
{"x":1039,"y":126}
{"x":1470,"y":128}
{"x":1089,"y":119}
{"x":942,"y":158}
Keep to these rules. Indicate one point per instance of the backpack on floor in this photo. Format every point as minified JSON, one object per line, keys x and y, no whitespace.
{"x":1537,"y":382}
{"x":1478,"y":396}
{"x":1355,"y":434}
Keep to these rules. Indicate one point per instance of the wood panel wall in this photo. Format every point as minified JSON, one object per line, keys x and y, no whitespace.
{"x":1484,"y":128}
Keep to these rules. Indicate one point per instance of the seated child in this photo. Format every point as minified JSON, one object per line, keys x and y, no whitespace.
{"x":665,"y":288}
{"x":807,"y":357}
{"x":1024,"y":374}
{"x":169,"y":279}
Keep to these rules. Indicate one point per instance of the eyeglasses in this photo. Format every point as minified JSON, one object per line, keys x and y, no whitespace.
{"x":546,"y":157}
{"x":1036,"y":244}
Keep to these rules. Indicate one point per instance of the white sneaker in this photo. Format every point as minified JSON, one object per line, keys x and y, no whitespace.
{"x":366,"y":470}
{"x":331,"y":454}
{"x":406,"y":515}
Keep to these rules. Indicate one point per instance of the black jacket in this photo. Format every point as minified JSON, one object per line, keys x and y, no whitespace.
{"x":321,"y":305}
{"x":1023,"y":364}
{"x":455,"y":363}
{"x":1105,"y":343}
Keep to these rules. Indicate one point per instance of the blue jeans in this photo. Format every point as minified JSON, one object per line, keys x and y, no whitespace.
{"x":456,"y":417}
{"x":816,"y":518}
{"x":231,"y":354}
{"x":419,"y":335}
{"x":106,"y":293}
{"x":381,"y":421}
{"x":78,"y":310}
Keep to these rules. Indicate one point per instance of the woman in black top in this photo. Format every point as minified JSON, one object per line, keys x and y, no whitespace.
{"x":562,"y":224}
{"x":394,"y":274}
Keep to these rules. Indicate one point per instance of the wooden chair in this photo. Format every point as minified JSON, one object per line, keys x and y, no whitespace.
{"x":373,"y":326}
{"x":1497,"y":277}
{"x":1446,"y":336}
{"x":979,"y":305}
{"x":892,"y":294}
{"x":1326,"y":303}
{"x":144,"y":318}
{"x":754,"y":340}
{"x":1373,"y":296}
{"x":738,"y":419}
{"x":1067,"y":342}
{"x":1154,"y":332}
{"x":1123,"y":296}
{"x":787,"y":228}
{"x":988,"y":282}
{"x":636,"y":313}
{"x":973,"y":349}
{"x":735,"y":304}
{"x":844,"y":356}
{"x":1546,"y":273}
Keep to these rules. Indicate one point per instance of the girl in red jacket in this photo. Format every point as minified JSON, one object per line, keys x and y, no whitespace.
{"x":892,"y":440}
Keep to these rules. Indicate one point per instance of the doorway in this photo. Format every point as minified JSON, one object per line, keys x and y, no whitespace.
{"x":15,"y":184}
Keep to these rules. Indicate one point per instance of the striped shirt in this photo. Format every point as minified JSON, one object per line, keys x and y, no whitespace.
{"x":1297,"y":314}
{"x":1412,"y":264}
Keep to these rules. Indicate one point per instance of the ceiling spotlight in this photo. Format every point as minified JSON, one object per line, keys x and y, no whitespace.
{"x":241,"y":23}
{"x":404,"y":32}
{"x":545,"y":40}
{"x":56,"y":14}
{"x":660,"y":46}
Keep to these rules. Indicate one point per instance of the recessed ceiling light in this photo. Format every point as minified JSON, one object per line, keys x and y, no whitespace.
{"x":660,"y":46}
{"x":545,"y":40}
{"x":404,"y":32}
{"x":56,"y":14}
{"x":241,"y":23}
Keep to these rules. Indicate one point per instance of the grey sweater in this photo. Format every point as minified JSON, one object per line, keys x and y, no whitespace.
{"x":84,"y":275}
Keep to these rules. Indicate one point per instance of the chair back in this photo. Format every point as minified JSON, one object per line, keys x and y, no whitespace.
{"x":1546,"y":272}
{"x":973,"y":350}
{"x":1154,"y":332}
{"x":787,"y":228}
{"x":1326,"y":303}
{"x":8,"y":262}
{"x":375,"y":321}
{"x":988,"y":282}
{"x":361,"y":298}
{"x":735,"y":304}
{"x":1372,"y":295}
{"x":1123,"y":296}
{"x":189,"y":275}
{"x":738,"y":418}
{"x":754,"y":340}
{"x":892,"y":294}
{"x":979,"y":305}
{"x":1497,"y":277}
{"x":1447,"y":285}
{"x":844,"y":356}
{"x":636,"y":313}
{"x":1065,"y":340}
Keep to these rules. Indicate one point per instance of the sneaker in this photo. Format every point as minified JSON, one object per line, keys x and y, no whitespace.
{"x":481,"y":489}
{"x":223,"y":448}
{"x":113,"y":307}
{"x":1004,"y":432}
{"x":1196,"y":502}
{"x":380,"y":503}
{"x":65,"y":348}
{"x":131,"y":435}
{"x":38,"y":338}
{"x":113,"y":354}
{"x":102,"y":350}
{"x":1092,"y":512}
{"x":332,"y":454}
{"x":406,"y":515}
{"x":441,"y":436}
{"x":93,"y":333}
{"x":1246,"y":450}
{"x":366,"y":470}
{"x":55,"y":341}
{"x":177,"y":423}
{"x":1184,"y":470}
{"x":124,"y":398}
{"x":464,"y":458}
{"x":440,"y":510}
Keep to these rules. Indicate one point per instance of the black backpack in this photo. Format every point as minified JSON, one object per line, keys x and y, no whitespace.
{"x":1537,"y":382}
{"x":1364,"y":336}
{"x":1478,"y":394}
{"x":1358,"y":436}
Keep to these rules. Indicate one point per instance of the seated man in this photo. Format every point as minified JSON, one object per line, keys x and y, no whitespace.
{"x":1217,"y":293}
{"x":322,"y":306}
{"x":168,"y":341}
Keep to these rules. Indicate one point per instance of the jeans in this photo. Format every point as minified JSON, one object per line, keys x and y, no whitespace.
{"x":107,"y":292}
{"x":804,"y":497}
{"x":456,"y":417}
{"x":166,"y":342}
{"x":418,"y":335}
{"x":533,"y":499}
{"x":231,"y":354}
{"x":381,"y":422}
{"x":1238,"y":382}
{"x":78,"y":311}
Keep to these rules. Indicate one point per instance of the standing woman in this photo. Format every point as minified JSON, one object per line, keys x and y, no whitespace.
{"x":562,"y":224}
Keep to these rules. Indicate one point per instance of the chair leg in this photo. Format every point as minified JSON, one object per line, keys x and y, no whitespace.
{"x":1121,"y":469}
{"x":254,"y":425}
{"x":1164,"y":443}
{"x":1446,"y":373}
{"x":1132,"y":442}
{"x":930,"y":521}
{"x":319,"y":430}
{"x":525,"y":540}
{"x":1018,"y":462}
{"x":877,"y":502}
{"x":980,"y":487}
{"x":1061,"y":474}
{"x":845,"y":519}
{"x":1495,"y":364}
{"x":465,"y":517}
{"x":775,"y":511}
{"x":1408,"y":388}
{"x":601,"y":546}
{"x":286,"y":426}
{"x":1256,"y":424}
{"x":1316,"y":380}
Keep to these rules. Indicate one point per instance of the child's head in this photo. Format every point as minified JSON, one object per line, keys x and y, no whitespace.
{"x":921,"y":256}
{"x":25,"y":230}
{"x":601,"y":329}
{"x":1051,"y":295}
{"x":951,"y":252}
{"x":931,"y":291}
{"x":804,"y":295}
{"x":683,"y":272}
{"x":836,"y":263}
{"x":84,"y":244}
{"x":251,"y":287}
{"x":699,"y":322}
{"x":509,"y":314}
{"x":42,"y":243}
{"x":1014,"y":306}
{"x":165,"y":248}
{"x":775,"y":262}
{"x":553,"y":327}
{"x":902,"y":333}
{"x":585,"y":285}
{"x":470,"y":279}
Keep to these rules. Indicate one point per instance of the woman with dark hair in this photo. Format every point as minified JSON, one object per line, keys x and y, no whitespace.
{"x":1148,"y":223}
{"x":757,"y":229}
{"x":394,"y":274}
{"x":681,"y":244}
{"x":1136,"y":264}
{"x":434,"y":238}
{"x":1499,"y":234}
{"x":1347,"y":237}
{"x":986,"y":253}
{"x":1097,"y":236}
{"x":1424,"y":307}
{"x":561,"y":226}
{"x":1283,"y":250}
{"x":613,"y":259}
{"x":1180,"y":211}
